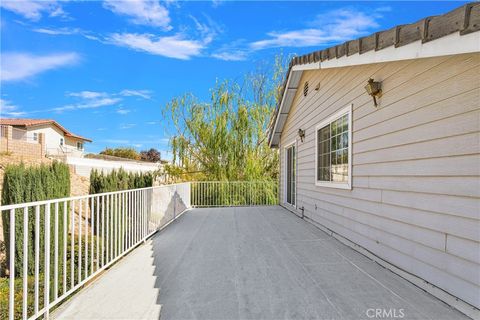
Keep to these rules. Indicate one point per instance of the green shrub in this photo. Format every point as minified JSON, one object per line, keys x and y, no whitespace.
{"x":22,"y":184}
{"x":118,"y":180}
{"x":4,"y":282}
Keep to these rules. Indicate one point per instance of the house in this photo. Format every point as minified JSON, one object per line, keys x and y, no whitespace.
{"x":57,"y":141}
{"x":396,"y":178}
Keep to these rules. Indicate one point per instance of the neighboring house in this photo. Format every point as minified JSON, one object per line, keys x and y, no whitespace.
{"x":58,"y":141}
{"x":398,"y":181}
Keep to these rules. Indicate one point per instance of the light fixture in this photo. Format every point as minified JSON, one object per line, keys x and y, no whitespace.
{"x":374,"y":88}
{"x":301,"y":134}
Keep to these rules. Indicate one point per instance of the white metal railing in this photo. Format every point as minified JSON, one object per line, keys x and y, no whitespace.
{"x":58,"y":245}
{"x":233,"y":193}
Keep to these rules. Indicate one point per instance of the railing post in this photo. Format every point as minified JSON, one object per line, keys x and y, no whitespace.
{"x":25,"y":262}
{"x":11,"y":298}
{"x":47,"y":262}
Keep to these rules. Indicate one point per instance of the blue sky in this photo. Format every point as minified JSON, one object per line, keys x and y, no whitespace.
{"x":105,"y":69}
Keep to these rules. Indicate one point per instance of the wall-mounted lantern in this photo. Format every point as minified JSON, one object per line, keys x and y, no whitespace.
{"x":301,"y":134}
{"x":374,"y":88}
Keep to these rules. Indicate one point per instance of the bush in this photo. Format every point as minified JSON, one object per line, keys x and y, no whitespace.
{"x":4,"y":282}
{"x":127,"y":153}
{"x":22,"y":184}
{"x":118,"y":180}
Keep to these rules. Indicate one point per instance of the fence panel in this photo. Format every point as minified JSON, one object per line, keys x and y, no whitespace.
{"x":233,"y":193}
{"x":56,"y":246}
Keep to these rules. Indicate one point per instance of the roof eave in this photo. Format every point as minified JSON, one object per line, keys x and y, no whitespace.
{"x":456,"y":43}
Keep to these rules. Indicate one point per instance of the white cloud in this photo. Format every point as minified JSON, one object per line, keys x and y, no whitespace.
{"x":127,"y":126}
{"x":20,"y":66}
{"x":88,"y":94}
{"x":123,"y":111}
{"x":9,"y":110}
{"x":89,"y":104}
{"x":175,"y":46}
{"x":143,"y":12}
{"x":96,"y":99}
{"x":332,"y":27}
{"x":146,"y":94}
{"x":33,"y":10}
{"x":235,"y":55}
{"x":217,"y":3}
{"x":59,"y":31}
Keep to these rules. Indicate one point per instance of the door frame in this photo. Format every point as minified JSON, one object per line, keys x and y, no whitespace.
{"x":287,"y":146}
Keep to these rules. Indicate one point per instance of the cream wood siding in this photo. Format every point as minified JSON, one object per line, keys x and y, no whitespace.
{"x":415,"y":200}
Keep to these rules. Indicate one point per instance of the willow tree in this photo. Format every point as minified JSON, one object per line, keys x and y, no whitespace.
{"x":225,"y":138}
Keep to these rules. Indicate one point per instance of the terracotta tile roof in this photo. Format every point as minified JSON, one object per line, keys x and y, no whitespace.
{"x":39,"y":122}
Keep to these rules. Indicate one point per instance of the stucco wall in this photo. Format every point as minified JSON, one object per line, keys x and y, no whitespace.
{"x":83,"y":166}
{"x":52,"y":141}
{"x":415,"y":200}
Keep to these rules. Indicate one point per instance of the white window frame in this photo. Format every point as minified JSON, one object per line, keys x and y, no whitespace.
{"x":62,"y":141}
{"x":333,"y":117}
{"x":292,"y":143}
{"x":81,"y":146}
{"x":35,"y":136}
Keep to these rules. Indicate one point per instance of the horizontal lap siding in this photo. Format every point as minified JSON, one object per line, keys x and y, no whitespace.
{"x":415,"y":200}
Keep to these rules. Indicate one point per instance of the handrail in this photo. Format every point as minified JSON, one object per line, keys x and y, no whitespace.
{"x":43,"y":202}
{"x":64,"y":243}
{"x":58,"y":245}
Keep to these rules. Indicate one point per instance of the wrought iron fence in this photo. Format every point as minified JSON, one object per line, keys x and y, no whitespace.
{"x":233,"y":193}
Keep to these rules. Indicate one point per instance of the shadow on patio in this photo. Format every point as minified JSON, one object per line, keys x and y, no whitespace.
{"x":249,"y":263}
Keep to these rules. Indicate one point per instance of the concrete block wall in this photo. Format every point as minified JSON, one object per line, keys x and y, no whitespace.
{"x":20,"y":147}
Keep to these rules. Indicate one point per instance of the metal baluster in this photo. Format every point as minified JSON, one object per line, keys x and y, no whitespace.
{"x":65,"y":239}
{"x":86,"y":238}
{"x":72,"y":245}
{"x":47,"y":261}
{"x":92,"y":238}
{"x":55,"y":255}
{"x":103,"y":231}
{"x":98,"y":233}
{"x":11,"y":298}
{"x":107,"y":227}
{"x":25,"y":261}
{"x":37,"y":255}
{"x":79,"y":240}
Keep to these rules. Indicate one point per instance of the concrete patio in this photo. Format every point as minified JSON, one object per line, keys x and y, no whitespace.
{"x":248,"y":263}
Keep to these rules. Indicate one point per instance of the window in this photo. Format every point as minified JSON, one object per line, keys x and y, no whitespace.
{"x":61,"y":141}
{"x":79,"y":146}
{"x":290,"y":174}
{"x":35,"y":136}
{"x":333,"y":151}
